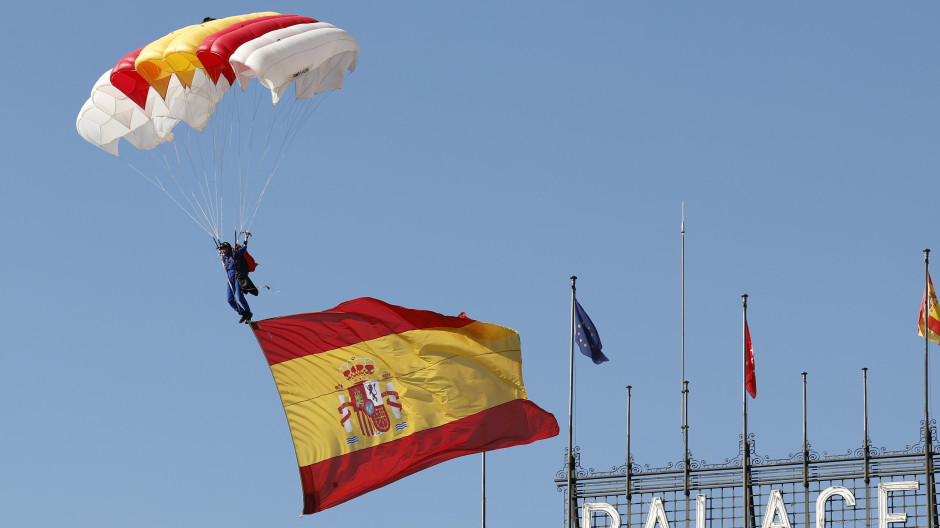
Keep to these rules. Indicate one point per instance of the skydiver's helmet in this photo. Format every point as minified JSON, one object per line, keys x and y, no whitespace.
{"x":225,"y":247}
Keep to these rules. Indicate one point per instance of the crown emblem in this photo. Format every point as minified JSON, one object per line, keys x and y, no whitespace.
{"x":358,"y":368}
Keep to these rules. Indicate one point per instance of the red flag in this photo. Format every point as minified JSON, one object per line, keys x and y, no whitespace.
{"x":750,"y":376}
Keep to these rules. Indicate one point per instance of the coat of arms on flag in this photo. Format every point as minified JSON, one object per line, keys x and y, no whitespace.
{"x":367,"y":401}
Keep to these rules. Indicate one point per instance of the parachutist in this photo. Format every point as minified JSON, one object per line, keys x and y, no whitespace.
{"x":238,"y":264}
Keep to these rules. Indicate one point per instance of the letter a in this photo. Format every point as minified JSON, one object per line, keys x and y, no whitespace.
{"x":776,"y":508}
{"x":657,"y":514}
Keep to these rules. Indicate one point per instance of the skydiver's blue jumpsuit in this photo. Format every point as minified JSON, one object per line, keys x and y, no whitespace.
{"x":235,"y":264}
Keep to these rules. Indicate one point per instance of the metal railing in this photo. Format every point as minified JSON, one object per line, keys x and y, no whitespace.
{"x":681,"y":492}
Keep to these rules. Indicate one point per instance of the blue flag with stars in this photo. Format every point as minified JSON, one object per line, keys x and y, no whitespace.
{"x":586,"y":336}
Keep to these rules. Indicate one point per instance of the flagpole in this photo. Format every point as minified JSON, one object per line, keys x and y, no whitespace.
{"x":483,"y":494}
{"x":682,"y":230}
{"x":928,"y":440}
{"x":629,"y":466}
{"x":805,"y":458}
{"x":866,"y":444}
{"x":572,"y":497}
{"x":746,"y":448}
{"x":685,"y":385}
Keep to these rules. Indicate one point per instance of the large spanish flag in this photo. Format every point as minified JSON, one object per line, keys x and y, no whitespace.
{"x":375,"y":392}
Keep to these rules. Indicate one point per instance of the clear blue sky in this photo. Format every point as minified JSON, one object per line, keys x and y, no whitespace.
{"x":480,"y":155}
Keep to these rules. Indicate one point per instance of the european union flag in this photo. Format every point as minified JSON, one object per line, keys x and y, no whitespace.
{"x":586,"y":336}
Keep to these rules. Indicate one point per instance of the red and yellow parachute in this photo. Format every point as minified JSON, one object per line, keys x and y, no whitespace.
{"x":185,"y":75}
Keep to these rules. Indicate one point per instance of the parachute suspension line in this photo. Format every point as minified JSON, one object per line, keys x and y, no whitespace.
{"x":204,"y":206}
{"x":159,"y":185}
{"x":231,"y":150}
{"x":231,"y":140}
{"x":248,"y":140}
{"x":232,"y":143}
{"x":276,"y":112}
{"x":294,"y":122}
{"x":258,"y":95}
{"x":217,"y":135}
{"x":243,"y":148}
{"x":194,"y":207}
{"x":220,"y":133}
{"x":175,"y":165}
{"x":270,"y":118}
{"x":209,"y":181}
{"x":205,"y":189}
{"x":223,"y":130}
{"x":205,"y":172}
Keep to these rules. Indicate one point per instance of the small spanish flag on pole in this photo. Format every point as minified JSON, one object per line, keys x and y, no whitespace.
{"x":933,"y":314}
{"x":374,"y":392}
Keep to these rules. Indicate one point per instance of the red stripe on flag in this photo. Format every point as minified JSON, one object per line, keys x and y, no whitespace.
{"x":294,"y":336}
{"x":346,"y":477}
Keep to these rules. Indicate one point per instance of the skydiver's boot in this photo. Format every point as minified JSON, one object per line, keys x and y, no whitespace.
{"x":246,"y":316}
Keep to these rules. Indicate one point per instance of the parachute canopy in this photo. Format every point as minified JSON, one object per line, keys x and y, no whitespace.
{"x":234,"y":143}
{"x":183,"y":75}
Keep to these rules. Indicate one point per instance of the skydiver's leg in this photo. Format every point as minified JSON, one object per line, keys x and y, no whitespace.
{"x":230,"y":286}
{"x":242,"y":302}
